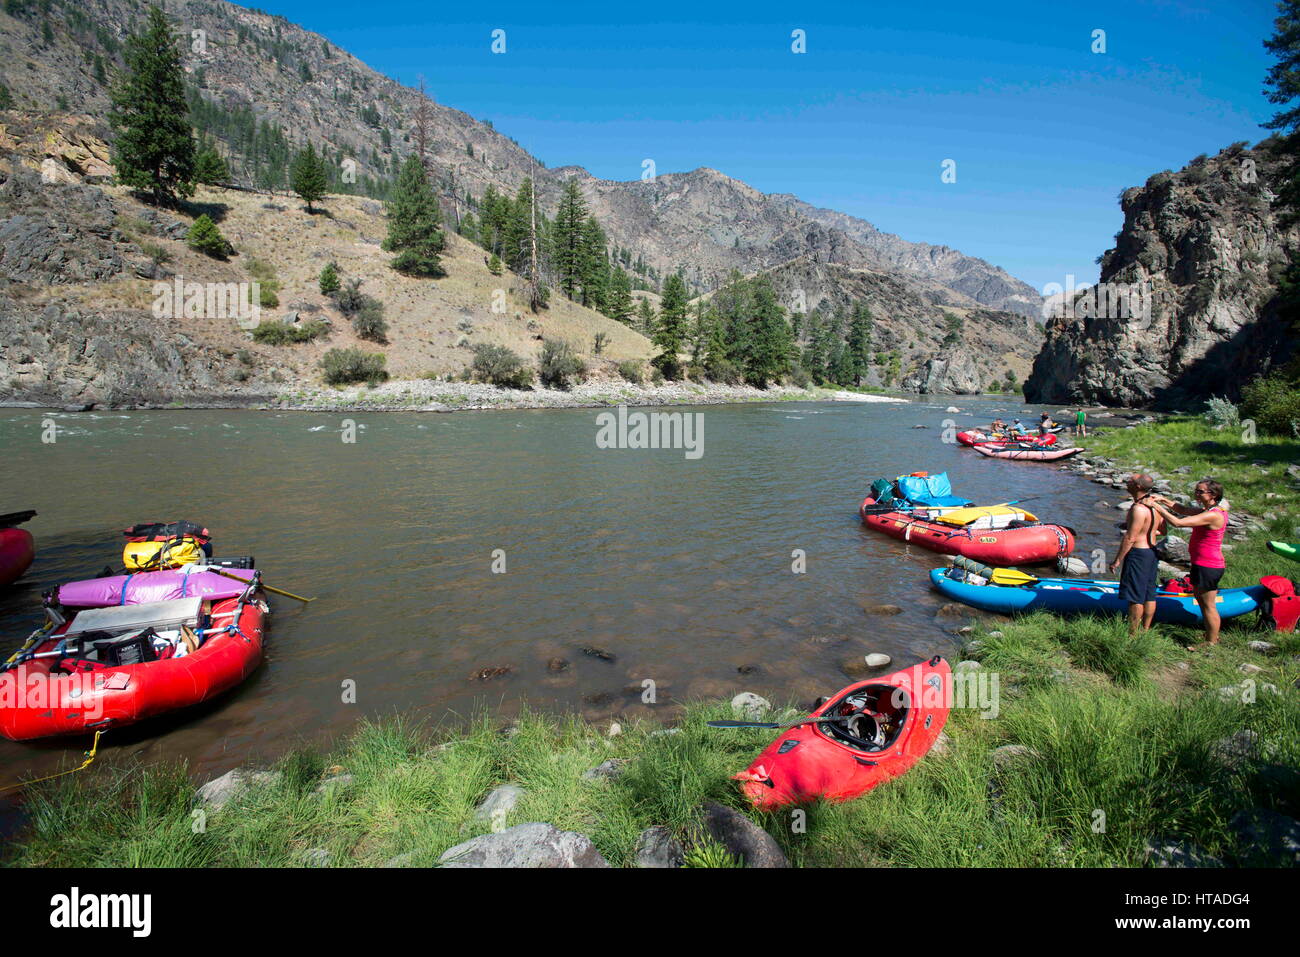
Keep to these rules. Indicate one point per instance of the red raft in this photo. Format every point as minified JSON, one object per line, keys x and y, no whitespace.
{"x":976,"y":437}
{"x":885,"y":725}
{"x":17,"y":547}
{"x":111,"y":666}
{"x":1023,"y":543}
{"x":1026,"y":452}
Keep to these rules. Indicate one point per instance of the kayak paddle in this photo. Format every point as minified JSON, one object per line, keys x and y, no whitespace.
{"x":774,"y":724}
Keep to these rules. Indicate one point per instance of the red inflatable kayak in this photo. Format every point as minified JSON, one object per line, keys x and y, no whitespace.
{"x":976,"y":437}
{"x":1022,"y":543}
{"x":17,"y":547}
{"x":889,"y":724}
{"x":1025,"y":452}
{"x":112,"y":666}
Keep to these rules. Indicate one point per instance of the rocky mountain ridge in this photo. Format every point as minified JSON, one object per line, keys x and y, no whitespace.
{"x":242,"y":59}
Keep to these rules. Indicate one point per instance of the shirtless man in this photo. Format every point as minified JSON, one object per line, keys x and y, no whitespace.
{"x":1137,"y":583}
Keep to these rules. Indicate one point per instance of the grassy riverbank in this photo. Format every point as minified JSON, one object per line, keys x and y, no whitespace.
{"x":1129,"y":741}
{"x":1119,"y":745}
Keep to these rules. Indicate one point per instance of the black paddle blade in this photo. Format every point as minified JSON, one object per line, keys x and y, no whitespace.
{"x":17,"y":518}
{"x":742,"y":724}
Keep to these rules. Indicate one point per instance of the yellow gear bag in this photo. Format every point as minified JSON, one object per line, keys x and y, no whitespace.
{"x":152,"y":556}
{"x":964,"y":516}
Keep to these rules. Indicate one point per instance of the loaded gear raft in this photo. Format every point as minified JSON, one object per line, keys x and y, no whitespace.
{"x":920,"y":509}
{"x":121,"y":648}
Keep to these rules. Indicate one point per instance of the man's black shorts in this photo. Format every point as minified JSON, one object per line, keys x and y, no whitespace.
{"x":1205,"y":578}
{"x":1137,"y":579}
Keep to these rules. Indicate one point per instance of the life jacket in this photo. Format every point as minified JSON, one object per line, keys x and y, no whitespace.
{"x":1280,"y":609}
{"x":1179,"y":586}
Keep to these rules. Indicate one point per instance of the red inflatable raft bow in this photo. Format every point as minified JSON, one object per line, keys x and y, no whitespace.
{"x":113,"y":666}
{"x":890,"y":723}
{"x":1029,"y":543}
{"x":17,"y":547}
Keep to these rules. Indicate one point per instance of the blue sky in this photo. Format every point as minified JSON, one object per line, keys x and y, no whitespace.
{"x":1044,"y":132}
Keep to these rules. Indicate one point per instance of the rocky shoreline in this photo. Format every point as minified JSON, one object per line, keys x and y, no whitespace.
{"x":433,"y":395}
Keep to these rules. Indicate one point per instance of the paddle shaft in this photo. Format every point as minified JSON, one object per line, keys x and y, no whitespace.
{"x":270,"y":588}
{"x":770,"y":724}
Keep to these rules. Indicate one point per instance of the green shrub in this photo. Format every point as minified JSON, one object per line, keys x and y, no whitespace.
{"x":369,"y":320}
{"x":633,"y":370}
{"x":283,"y":333}
{"x":724,"y":371}
{"x":559,"y":365}
{"x":1274,"y":403}
{"x":268,"y":283}
{"x":206,"y":238}
{"x":501,"y":367}
{"x":342,"y":366}
{"x":1221,"y":413}
{"x":350,"y":298}
{"x":158,"y":254}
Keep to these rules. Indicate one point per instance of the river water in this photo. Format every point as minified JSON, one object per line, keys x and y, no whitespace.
{"x":679,"y":568}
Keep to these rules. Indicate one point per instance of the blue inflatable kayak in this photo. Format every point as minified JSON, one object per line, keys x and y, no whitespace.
{"x":1085,"y":596}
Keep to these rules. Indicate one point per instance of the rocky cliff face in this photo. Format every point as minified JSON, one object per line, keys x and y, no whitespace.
{"x":1187,"y":303}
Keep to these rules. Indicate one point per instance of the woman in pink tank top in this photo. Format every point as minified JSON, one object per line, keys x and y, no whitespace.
{"x":1208,"y":520}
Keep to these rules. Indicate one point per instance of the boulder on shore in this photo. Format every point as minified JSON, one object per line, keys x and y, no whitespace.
{"x":526,"y":845}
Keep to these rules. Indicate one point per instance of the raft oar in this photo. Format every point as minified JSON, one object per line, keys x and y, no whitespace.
{"x":271,"y":588}
{"x":773,"y":724}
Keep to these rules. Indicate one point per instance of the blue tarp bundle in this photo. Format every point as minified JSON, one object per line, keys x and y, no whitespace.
{"x":932,"y":490}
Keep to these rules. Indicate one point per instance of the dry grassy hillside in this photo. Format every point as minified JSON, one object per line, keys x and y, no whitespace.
{"x":433,"y":324}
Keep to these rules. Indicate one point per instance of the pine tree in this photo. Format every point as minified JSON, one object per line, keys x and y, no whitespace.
{"x":618,"y":304}
{"x":329,"y":280}
{"x":413,"y":223}
{"x":771,"y":344}
{"x":671,"y":329}
{"x":308,"y":176}
{"x":569,"y":220}
{"x":154,"y":150}
{"x":858,"y":342}
{"x":1283,"y":83}
{"x":209,"y":167}
{"x":645,"y":314}
{"x":594,"y":265}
